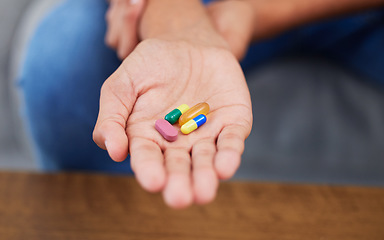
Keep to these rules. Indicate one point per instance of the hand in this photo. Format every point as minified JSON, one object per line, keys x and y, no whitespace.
{"x":158,"y":76}
{"x":122,"y":24}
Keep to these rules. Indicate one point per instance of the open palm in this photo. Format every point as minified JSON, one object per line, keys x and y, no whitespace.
{"x":157,"y":77}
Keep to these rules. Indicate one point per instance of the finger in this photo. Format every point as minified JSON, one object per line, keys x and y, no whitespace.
{"x":148,"y":164}
{"x":116,"y":102}
{"x":113,"y":21}
{"x":205,"y":181}
{"x":127,"y":42}
{"x":230,"y":147}
{"x":129,"y":34}
{"x":178,"y":189}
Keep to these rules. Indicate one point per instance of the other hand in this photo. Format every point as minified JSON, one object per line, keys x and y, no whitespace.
{"x":122,"y":23}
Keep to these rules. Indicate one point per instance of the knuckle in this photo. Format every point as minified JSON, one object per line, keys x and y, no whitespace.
{"x":95,"y":136}
{"x":204,"y":151}
{"x":231,"y":136}
{"x":179,"y":160}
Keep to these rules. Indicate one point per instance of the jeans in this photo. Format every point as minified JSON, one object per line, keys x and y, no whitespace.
{"x":67,"y":63}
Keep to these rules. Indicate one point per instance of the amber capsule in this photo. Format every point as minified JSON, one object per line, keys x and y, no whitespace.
{"x":201,"y":108}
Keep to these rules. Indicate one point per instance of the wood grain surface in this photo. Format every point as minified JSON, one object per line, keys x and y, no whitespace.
{"x":98,"y":207}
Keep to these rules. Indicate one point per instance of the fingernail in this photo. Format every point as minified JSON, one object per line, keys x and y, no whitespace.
{"x":133,"y":2}
{"x":106,"y":144}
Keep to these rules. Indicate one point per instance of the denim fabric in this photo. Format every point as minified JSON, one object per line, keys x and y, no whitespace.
{"x":67,"y":63}
{"x":355,"y":42}
{"x":65,"y":67}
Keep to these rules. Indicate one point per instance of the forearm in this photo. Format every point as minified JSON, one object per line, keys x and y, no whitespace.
{"x":181,"y":19}
{"x":275,"y":16}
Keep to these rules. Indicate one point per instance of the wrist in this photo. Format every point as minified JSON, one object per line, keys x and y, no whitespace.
{"x":185,"y":20}
{"x":169,"y":17}
{"x":234,"y":20}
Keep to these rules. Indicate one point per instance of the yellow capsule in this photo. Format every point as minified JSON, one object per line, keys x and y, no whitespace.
{"x":193,"y":124}
{"x":201,"y":108}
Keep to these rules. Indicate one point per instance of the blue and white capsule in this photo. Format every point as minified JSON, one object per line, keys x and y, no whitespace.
{"x":193,"y":124}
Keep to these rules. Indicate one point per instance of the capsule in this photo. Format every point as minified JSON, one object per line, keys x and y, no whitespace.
{"x":193,"y":124}
{"x":175,"y":114}
{"x":201,"y":108}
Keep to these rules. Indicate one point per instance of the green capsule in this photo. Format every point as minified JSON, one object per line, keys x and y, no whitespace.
{"x":175,"y":114}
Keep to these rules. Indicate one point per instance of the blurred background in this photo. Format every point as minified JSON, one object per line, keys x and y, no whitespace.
{"x":11,"y":154}
{"x":18,"y":19}
{"x":313,"y":121}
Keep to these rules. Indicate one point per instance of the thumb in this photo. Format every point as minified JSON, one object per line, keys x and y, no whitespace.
{"x":117,"y":98}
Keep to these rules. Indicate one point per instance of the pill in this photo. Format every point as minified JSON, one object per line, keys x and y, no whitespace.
{"x":173,"y":116}
{"x":193,"y":124}
{"x":168,"y":132}
{"x":201,"y":108}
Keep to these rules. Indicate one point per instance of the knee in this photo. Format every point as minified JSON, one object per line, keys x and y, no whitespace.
{"x":67,"y":60}
{"x":65,"y":66}
{"x":69,"y":40}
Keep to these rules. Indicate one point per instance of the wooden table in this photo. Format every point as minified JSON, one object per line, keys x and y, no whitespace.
{"x":98,"y":207}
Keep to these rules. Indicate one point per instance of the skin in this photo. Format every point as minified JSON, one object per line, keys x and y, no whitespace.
{"x":122,"y":19}
{"x":239,"y":22}
{"x":272,"y":17}
{"x":189,"y":54}
{"x":192,"y":64}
